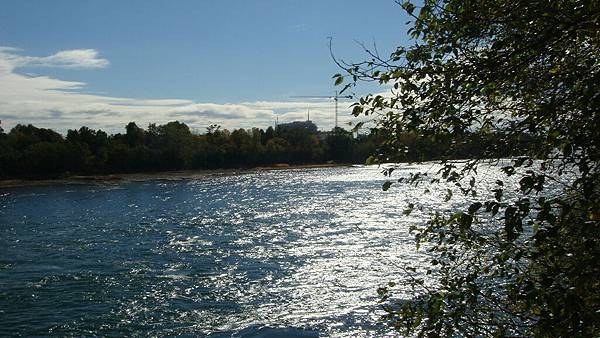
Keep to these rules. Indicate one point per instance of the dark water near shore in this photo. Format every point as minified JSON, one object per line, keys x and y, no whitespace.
{"x":264,"y":254}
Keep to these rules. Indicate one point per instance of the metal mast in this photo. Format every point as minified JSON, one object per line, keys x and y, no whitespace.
{"x":335,"y":98}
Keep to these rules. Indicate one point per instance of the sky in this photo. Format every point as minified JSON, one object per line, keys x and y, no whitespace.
{"x":238,"y":64}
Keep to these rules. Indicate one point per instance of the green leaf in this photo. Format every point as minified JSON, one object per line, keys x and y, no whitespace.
{"x":448,"y":195}
{"x":408,"y":7}
{"x":409,"y":209}
{"x":371,"y":160}
{"x":474,"y":207}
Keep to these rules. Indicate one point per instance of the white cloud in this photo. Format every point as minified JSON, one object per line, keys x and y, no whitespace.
{"x":74,"y":58}
{"x":61,"y":105}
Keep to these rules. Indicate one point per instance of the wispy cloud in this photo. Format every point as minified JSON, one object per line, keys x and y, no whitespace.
{"x":74,"y":59}
{"x":60,"y":104}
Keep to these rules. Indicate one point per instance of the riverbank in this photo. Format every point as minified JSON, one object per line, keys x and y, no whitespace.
{"x":154,"y":176}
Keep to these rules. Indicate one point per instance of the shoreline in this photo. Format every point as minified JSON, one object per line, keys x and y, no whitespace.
{"x":178,"y":175}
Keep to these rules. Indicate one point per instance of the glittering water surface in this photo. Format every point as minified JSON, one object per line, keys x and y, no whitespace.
{"x":260,"y":254}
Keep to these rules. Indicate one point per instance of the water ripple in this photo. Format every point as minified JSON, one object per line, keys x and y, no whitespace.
{"x":277,"y":253}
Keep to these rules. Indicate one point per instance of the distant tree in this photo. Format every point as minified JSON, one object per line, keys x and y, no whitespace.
{"x":258,"y":150}
{"x":46,"y":159}
{"x":219,"y":147}
{"x":8,"y":157}
{"x":134,"y":136}
{"x":276,"y":150}
{"x":302,"y":144}
{"x":340,"y":145}
{"x":89,"y":148}
{"x":23,"y":136}
{"x":269,"y":134}
{"x":243,"y":146}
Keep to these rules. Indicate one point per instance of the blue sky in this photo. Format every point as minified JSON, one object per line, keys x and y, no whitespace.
{"x":235,"y":63}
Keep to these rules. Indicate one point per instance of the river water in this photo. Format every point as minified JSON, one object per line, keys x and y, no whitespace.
{"x":289,"y":253}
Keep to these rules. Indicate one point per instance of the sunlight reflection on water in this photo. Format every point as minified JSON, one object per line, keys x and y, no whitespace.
{"x":274,"y":253}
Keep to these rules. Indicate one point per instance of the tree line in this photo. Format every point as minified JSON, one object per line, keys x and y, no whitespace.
{"x":27,"y":151}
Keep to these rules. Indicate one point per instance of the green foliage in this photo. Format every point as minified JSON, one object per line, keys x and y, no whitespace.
{"x":517,"y":79}
{"x":172,"y":146}
{"x":30,"y":152}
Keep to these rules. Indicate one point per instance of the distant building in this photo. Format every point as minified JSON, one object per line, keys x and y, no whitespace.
{"x":308,"y":125}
